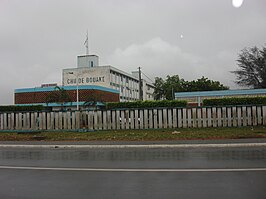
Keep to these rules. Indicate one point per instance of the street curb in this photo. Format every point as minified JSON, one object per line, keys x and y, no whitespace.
{"x":150,"y":146}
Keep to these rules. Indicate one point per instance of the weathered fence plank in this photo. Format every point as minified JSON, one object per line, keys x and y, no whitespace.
{"x":189,"y":122}
{"x":127,"y":118}
{"x":1,"y":121}
{"x":95,"y":119}
{"x":150,"y":119}
{"x":109,"y":120}
{"x":229,"y":116}
{"x":254,"y":116}
{"x":259,"y":115}
{"x":239,"y":116}
{"x":141,"y":119}
{"x":244,"y":116}
{"x":77,"y":120}
{"x":249,"y":116}
{"x":74,"y":120}
{"x":224,"y":117}
{"x":5,"y":121}
{"x":16,"y":121}
{"x":65,"y":120}
{"x":194,"y":117}
{"x":123,"y":121}
{"x":69,"y":120}
{"x":155,"y":116}
{"x":199,"y":117}
{"x":209,"y":117}
{"x":174,"y":118}
{"x":32,"y":121}
{"x":234,"y":117}
{"x":204,"y":117}
{"x":57,"y":121}
{"x":170,"y":118}
{"x":264,"y":115}
{"x":160,"y":116}
{"x":100,"y":119}
{"x":184,"y":118}
{"x":164,"y":118}
{"x":214,"y":117}
{"x":12,"y":121}
{"x":219,"y":116}
{"x":90,"y":120}
{"x":132,"y":119}
{"x":40,"y":120}
{"x":136,"y":118}
{"x":113,"y":119}
{"x":60,"y":120}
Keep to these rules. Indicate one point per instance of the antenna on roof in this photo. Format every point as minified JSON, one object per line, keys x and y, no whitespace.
{"x":86,"y":43}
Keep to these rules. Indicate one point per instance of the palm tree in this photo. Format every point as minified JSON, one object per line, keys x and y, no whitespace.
{"x":59,"y":95}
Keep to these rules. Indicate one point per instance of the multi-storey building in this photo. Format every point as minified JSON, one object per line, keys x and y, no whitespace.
{"x":88,"y":72}
{"x":108,"y":83}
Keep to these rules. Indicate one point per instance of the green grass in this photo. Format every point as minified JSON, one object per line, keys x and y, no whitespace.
{"x":141,"y":135}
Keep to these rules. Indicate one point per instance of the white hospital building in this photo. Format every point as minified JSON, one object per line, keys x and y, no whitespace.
{"x":88,"y":72}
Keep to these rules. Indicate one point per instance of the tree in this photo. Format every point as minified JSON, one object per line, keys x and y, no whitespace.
{"x":203,"y":84}
{"x":165,"y":89}
{"x":172,"y":85}
{"x":158,"y":90}
{"x":59,"y":95}
{"x":252,"y":67}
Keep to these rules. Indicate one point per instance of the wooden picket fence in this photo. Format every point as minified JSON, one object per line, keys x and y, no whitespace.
{"x":199,"y":117}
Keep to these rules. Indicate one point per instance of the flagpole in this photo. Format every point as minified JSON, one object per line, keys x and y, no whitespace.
{"x":86,"y":43}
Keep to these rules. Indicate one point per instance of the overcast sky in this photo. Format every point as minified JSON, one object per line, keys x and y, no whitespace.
{"x":190,"y":38}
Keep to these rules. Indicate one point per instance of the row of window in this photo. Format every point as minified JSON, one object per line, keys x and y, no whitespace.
{"x":128,"y":98}
{"x":123,"y":80}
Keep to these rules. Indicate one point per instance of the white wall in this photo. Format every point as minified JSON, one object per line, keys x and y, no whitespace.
{"x":88,"y":61}
{"x":87,"y":76}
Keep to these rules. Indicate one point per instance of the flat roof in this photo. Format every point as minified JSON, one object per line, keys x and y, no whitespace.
{"x":220,"y":93}
{"x":80,"y":87}
{"x":88,"y":56}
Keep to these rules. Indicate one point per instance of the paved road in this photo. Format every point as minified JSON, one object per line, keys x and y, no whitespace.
{"x":193,"y":172}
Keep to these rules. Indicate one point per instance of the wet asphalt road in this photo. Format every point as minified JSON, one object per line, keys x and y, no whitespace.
{"x":148,"y":173}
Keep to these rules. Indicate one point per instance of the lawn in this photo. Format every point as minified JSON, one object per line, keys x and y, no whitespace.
{"x":140,"y":135}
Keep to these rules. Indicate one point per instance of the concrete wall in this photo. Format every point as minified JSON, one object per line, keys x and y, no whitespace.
{"x":88,"y":61}
{"x":99,"y":76}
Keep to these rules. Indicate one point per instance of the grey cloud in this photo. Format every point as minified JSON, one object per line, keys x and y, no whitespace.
{"x":40,"y":38}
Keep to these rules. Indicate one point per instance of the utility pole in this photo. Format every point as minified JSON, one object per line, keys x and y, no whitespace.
{"x":140,"y":86}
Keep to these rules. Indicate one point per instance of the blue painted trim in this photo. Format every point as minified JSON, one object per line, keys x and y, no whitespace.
{"x":80,"y":87}
{"x":220,"y":93}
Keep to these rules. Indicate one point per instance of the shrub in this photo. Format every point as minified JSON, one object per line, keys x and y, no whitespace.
{"x":147,"y":104}
{"x":235,"y":101}
{"x":15,"y":108}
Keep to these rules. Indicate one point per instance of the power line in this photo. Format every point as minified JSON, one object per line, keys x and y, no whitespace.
{"x":146,"y":76}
